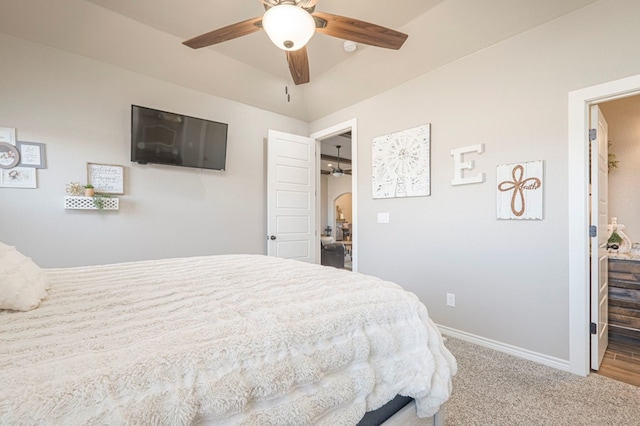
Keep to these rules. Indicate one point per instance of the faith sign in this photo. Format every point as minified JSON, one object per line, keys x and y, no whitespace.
{"x":520,"y":192}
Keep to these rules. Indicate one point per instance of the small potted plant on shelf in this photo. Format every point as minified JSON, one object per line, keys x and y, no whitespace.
{"x":88,"y":190}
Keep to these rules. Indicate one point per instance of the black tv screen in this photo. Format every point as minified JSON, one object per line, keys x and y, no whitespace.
{"x":160,"y":137}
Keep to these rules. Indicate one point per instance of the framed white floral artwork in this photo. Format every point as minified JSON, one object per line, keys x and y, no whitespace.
{"x":18,"y":177}
{"x":401,"y":163}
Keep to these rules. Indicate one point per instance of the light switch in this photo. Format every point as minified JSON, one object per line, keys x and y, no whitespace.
{"x":383,"y":217}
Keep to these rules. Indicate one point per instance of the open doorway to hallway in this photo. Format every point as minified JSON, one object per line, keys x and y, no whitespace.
{"x":347,"y":127}
{"x":336,"y":201}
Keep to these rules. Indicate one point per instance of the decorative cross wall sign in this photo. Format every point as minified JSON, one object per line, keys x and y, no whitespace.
{"x":520,"y":192}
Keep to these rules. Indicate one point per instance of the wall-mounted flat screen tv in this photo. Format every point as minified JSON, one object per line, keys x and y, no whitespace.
{"x":160,"y":137}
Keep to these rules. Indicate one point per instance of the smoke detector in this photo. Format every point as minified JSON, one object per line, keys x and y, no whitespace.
{"x":350,"y":46}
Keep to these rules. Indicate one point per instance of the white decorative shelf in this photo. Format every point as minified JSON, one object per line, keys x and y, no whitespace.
{"x":86,"y":203}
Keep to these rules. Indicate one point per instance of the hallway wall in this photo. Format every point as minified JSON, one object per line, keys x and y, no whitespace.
{"x":623,"y":117}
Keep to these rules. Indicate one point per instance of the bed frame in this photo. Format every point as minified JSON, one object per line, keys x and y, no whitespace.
{"x":407,"y":417}
{"x":401,"y":411}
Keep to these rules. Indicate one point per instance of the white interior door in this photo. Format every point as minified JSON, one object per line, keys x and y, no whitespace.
{"x":599,"y":219}
{"x":291,"y":205}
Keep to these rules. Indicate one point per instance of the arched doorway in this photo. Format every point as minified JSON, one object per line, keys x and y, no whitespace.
{"x":344,"y":217}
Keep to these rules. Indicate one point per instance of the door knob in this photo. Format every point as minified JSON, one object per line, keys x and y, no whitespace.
{"x":273,"y":237}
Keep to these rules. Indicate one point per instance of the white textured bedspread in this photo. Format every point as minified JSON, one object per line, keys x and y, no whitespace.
{"x":230,"y":340}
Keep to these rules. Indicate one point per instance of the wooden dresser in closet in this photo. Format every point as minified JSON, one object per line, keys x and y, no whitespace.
{"x":624,"y":300}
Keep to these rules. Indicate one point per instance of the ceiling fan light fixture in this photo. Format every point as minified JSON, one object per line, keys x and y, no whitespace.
{"x":289,"y":27}
{"x":338,"y":172}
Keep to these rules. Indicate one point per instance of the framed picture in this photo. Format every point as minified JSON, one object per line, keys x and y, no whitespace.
{"x":8,"y":135}
{"x":106,"y":178}
{"x":9,"y":156}
{"x":32,"y":155}
{"x":18,"y":177}
{"x":401,"y":163}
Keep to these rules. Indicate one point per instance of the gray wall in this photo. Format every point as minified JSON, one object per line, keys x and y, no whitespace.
{"x":510,"y":278}
{"x":623,"y":117}
{"x":80,"y":109}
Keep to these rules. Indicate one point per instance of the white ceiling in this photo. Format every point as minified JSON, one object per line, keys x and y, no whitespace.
{"x":145,"y":36}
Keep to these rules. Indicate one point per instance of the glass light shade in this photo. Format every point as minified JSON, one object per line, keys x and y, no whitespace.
{"x":289,"y":27}
{"x":338,"y":173}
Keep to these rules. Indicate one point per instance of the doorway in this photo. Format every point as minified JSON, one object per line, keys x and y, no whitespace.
{"x":336,"y":200}
{"x":347,"y":133}
{"x":622,"y":357}
{"x":578,"y":196}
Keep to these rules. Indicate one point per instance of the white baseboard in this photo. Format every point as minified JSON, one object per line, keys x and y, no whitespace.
{"x":560,"y":364}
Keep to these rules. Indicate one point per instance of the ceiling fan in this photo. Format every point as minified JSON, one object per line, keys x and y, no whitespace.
{"x":290,"y":24}
{"x":337,"y":171}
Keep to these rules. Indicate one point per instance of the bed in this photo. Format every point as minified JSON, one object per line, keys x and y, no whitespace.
{"x":224,"y":340}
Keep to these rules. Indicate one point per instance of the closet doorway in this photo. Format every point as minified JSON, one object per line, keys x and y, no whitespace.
{"x":579,"y":104}
{"x":622,"y":357}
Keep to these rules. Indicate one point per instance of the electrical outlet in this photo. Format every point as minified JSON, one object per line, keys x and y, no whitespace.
{"x":451,"y":300}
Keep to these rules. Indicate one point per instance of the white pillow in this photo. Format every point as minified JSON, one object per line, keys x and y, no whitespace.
{"x":22,"y":283}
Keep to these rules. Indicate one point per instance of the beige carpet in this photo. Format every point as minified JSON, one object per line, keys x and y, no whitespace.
{"x":492,"y":388}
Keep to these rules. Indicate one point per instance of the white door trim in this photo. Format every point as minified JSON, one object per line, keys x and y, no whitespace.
{"x":349,"y":125}
{"x":578,"y":169}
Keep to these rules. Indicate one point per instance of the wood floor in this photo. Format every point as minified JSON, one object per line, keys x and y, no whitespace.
{"x":621,"y":362}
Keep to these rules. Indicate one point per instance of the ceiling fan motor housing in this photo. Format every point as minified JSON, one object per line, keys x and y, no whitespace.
{"x":308,"y":5}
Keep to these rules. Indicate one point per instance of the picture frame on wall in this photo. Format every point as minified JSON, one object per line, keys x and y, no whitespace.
{"x":520,"y":190}
{"x":18,"y":177}
{"x":32,"y":154}
{"x":9,"y":156}
{"x":106,"y":178}
{"x":401,"y":165}
{"x":8,"y":135}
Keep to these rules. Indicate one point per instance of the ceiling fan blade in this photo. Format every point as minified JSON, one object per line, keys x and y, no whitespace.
{"x":359,"y":31}
{"x":325,"y":172}
{"x":298,"y":65}
{"x":229,"y":32}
